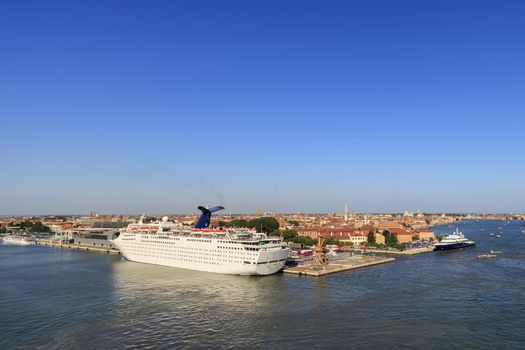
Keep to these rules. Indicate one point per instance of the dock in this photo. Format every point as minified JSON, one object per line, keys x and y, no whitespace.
{"x":86,"y":247}
{"x":412,"y":251}
{"x":349,"y":263}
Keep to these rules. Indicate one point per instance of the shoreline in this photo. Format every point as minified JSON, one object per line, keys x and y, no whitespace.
{"x":412,"y":251}
{"x":85,"y":247}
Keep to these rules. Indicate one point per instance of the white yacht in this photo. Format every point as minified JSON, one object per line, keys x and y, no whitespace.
{"x":18,"y":240}
{"x":229,"y":251}
{"x":455,"y":240}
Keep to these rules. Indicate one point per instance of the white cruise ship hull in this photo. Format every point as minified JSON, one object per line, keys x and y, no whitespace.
{"x":202,"y":254}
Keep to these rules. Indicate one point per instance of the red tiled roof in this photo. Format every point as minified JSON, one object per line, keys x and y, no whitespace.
{"x":358,"y":234}
{"x":400,"y":231}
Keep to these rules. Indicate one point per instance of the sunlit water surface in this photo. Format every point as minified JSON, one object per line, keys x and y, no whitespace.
{"x":65,"y":299}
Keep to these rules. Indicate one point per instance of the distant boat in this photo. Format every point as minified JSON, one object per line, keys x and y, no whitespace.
{"x":498,"y":236}
{"x":18,"y":240}
{"x":487,"y":256}
{"x":491,"y":234}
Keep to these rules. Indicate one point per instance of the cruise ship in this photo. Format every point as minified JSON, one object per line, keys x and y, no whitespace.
{"x":454,"y":241}
{"x":17,"y":240}
{"x":230,"y":251}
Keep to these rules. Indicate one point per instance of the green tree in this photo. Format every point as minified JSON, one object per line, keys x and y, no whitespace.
{"x":371,"y":237}
{"x":26,"y":224}
{"x":390,"y":238}
{"x":234,"y":223}
{"x":264,"y":224}
{"x":332,"y":240}
{"x":304,"y":240}
{"x":286,"y":234}
{"x":39,"y":227}
{"x":293,"y":223}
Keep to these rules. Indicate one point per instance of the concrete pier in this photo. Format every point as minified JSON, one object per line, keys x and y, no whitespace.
{"x":350,"y":263}
{"x":86,"y":247}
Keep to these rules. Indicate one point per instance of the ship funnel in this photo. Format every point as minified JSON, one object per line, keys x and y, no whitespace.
{"x":204,"y":220}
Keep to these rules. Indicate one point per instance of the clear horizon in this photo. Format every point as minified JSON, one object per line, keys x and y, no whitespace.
{"x":286,"y":106}
{"x":262,"y":213}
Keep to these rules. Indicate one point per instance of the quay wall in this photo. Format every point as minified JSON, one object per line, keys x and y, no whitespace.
{"x":104,"y":243}
{"x":87,"y":247}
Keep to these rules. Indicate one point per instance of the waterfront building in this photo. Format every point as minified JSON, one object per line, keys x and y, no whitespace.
{"x":389,"y":226}
{"x":379,"y":238}
{"x":403,"y":236}
{"x":426,"y":235}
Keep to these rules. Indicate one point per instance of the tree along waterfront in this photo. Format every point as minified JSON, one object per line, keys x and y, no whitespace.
{"x":29,"y":226}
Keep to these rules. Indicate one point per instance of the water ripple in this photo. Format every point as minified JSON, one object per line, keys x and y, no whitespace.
{"x":59,"y":299}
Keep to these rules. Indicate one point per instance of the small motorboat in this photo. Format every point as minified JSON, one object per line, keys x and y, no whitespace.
{"x":487,"y":256}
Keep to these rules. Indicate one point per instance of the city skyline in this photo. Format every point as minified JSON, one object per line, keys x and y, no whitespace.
{"x":284,"y":106}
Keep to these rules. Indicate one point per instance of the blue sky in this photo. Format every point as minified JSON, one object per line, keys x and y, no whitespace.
{"x":159,"y":106}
